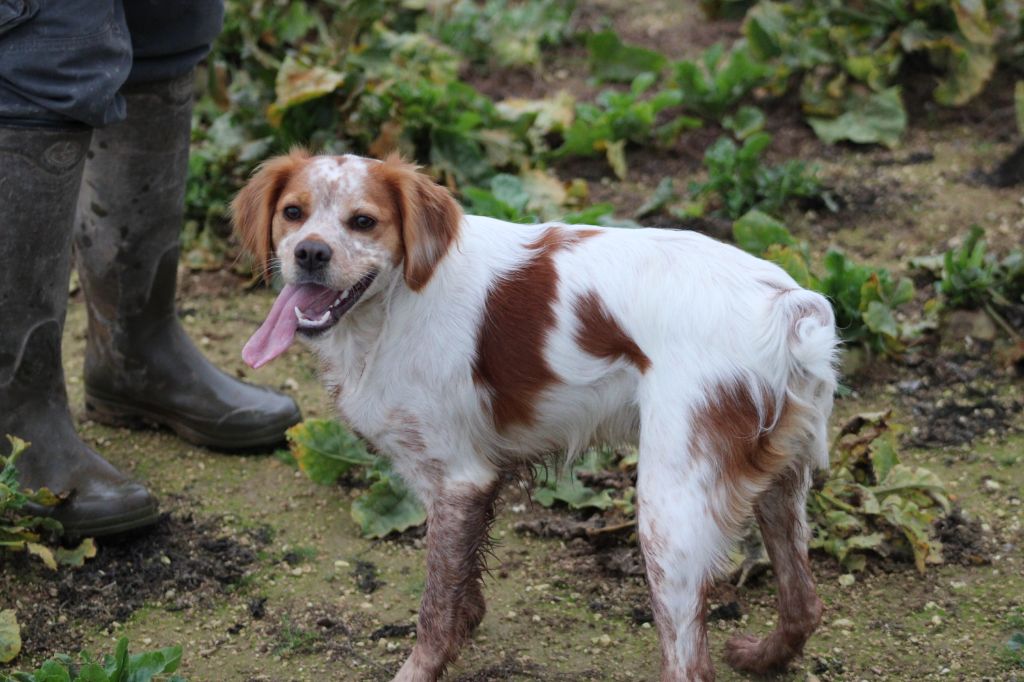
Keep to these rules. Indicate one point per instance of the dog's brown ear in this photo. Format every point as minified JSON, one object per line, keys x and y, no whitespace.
{"x":252,"y":210}
{"x":430,"y":219}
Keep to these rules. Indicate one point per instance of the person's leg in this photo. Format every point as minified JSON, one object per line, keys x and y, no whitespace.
{"x":141,"y":366}
{"x":62,"y":63}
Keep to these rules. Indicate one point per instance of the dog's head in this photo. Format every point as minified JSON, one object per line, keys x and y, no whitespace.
{"x":339,"y":228}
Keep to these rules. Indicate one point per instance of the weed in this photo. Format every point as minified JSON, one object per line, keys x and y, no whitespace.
{"x":740,"y":180}
{"x":155,"y":666}
{"x":325,"y":451}
{"x":712,"y":85}
{"x":292,"y":639}
{"x":22,"y":531}
{"x":972,"y":278}
{"x":872,"y":502}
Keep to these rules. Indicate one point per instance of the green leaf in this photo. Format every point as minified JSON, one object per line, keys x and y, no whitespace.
{"x":663,"y":194}
{"x":325,"y":450}
{"x":745,"y":122}
{"x":10,"y":636}
{"x":612,"y":60}
{"x":878,"y":118}
{"x":793,"y":261}
{"x":52,"y":671}
{"x":92,"y":672}
{"x":755,"y":231}
{"x":388,"y":506}
{"x":1018,"y":103}
{"x":143,"y":667}
{"x":116,"y":666}
{"x":568,"y":489}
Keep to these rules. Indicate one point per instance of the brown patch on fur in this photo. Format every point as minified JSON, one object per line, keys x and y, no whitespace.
{"x":458,"y":527}
{"x":254,"y":207}
{"x":429,"y":217}
{"x":518,"y":316}
{"x":780,"y":515}
{"x":409,"y":431}
{"x":600,"y":334}
{"x":729,"y":432}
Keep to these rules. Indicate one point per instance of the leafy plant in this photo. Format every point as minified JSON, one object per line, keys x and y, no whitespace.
{"x":612,"y":60}
{"x":713,"y":84}
{"x":325,"y":451}
{"x":865,"y":299}
{"x":848,"y":58}
{"x":967,"y":276}
{"x":21,"y":531}
{"x":740,"y":181}
{"x":155,"y":666}
{"x":617,"y":118}
{"x":872,"y":502}
{"x":507,"y":32}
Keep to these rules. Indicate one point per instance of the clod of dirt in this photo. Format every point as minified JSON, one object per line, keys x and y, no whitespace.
{"x":180,"y":562}
{"x":258,"y":607}
{"x":1010,"y":172}
{"x":365,"y":573}
{"x":729,"y":611}
{"x":963,"y":541}
{"x":393,"y":630}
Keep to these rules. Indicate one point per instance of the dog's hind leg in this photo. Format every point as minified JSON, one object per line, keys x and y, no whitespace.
{"x":682,"y":544}
{"x":781,"y":516}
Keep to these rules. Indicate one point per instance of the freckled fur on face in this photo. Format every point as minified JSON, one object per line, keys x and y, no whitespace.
{"x":331,"y":191}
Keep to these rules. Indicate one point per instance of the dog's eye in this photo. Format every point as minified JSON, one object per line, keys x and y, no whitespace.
{"x":362,"y":222}
{"x":292,"y":212}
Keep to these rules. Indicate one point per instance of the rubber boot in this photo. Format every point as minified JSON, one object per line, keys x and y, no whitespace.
{"x":141,"y":368}
{"x":40,"y":170}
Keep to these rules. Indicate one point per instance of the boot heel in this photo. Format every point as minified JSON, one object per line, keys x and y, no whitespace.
{"x":110,"y":413}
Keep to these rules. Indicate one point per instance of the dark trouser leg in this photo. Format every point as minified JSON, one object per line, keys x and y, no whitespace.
{"x":141,"y":366}
{"x":40,"y":170}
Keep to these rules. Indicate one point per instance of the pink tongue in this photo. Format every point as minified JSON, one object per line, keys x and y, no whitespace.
{"x":278,"y":331}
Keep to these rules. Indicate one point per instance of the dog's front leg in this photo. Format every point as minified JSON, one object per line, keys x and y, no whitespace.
{"x":458,"y":524}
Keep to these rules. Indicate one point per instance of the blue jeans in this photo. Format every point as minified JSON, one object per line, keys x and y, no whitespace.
{"x":65,"y":61}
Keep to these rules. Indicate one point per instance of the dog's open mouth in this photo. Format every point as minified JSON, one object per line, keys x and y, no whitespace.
{"x":308,"y":308}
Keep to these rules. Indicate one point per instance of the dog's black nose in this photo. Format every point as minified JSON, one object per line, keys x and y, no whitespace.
{"x":312,"y":255}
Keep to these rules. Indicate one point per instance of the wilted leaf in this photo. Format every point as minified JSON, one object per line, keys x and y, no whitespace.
{"x":793,"y":261}
{"x":879,"y":318}
{"x":969,"y":69}
{"x":10,"y":636}
{"x":388,"y":506}
{"x":44,"y":553}
{"x":298,"y":82}
{"x":552,"y":114}
{"x":878,"y":118}
{"x":325,"y":450}
{"x":612,"y":60}
{"x":615,"y":152}
{"x":76,"y":557}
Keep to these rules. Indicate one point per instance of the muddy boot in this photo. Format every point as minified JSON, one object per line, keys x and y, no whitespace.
{"x":40,"y":170}
{"x":141,"y":368}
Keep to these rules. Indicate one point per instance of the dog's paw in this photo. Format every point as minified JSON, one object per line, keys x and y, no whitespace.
{"x":755,"y":655}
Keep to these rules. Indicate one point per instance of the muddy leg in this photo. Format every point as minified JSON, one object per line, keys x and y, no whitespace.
{"x":458,"y":523}
{"x":782,"y":517}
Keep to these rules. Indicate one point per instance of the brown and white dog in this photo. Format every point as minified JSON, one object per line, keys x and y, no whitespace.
{"x":463,"y":347}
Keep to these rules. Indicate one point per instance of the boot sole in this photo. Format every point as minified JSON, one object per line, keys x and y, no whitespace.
{"x":116,"y":413}
{"x":103,"y":528}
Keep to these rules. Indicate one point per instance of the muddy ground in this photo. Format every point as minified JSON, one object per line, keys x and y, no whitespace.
{"x":261,"y":575}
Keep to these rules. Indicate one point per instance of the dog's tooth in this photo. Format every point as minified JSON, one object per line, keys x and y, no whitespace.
{"x":323,"y":318}
{"x":344,"y":295}
{"x":298,"y":315}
